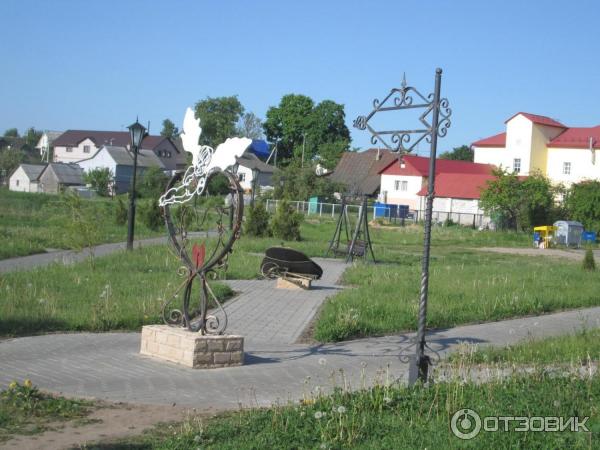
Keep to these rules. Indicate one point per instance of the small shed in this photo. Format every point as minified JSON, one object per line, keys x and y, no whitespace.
{"x":568,"y":232}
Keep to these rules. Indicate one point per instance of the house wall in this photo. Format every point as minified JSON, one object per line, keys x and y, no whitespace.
{"x":19,"y":181}
{"x":582,"y":167}
{"x":77,"y":153}
{"x":489,"y":155}
{"x":176,"y":161}
{"x":49,"y":182}
{"x":459,"y":210}
{"x":394,"y":197}
{"x":519,"y":136}
{"x":541,"y":135}
{"x":100,"y":160}
{"x":264,"y":179}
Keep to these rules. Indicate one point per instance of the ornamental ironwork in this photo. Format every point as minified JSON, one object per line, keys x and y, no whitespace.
{"x":201,"y":229}
{"x":434,"y":115}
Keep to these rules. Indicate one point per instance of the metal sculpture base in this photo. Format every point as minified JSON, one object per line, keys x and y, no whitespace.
{"x":190,"y":349}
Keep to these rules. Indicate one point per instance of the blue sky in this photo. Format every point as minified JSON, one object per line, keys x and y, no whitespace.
{"x":96,"y":65}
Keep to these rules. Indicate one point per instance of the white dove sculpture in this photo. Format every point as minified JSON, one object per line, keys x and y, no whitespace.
{"x":205,"y":160}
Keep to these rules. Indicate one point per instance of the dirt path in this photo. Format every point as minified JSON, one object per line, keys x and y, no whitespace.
{"x":575,"y":255}
{"x":109,"y":421}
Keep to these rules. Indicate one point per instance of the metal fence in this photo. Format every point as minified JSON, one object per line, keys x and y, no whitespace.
{"x":331,"y":210}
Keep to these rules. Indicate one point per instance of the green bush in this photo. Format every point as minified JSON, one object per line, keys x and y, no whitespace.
{"x":121,"y":212}
{"x":257,"y":221}
{"x":285,"y":224}
{"x":153,"y":183}
{"x":151,"y":214}
{"x":588,"y":261}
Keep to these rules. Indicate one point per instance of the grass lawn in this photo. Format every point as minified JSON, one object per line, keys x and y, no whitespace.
{"x":123,"y":292}
{"x":394,"y":417}
{"x":25,"y":410}
{"x":31,"y":223}
{"x":573,"y":349}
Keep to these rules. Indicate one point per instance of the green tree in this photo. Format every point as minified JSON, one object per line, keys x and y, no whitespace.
{"x":300,"y":183}
{"x":299,"y":127}
{"x":153,"y":183}
{"x":462,"y":153}
{"x":9,"y":160}
{"x":11,"y":132}
{"x":519,"y":204}
{"x":218,"y":118}
{"x":257,"y":220}
{"x":100,"y":179}
{"x":285,"y":223}
{"x":169,"y":129}
{"x":583,"y":204}
{"x":250,"y":126}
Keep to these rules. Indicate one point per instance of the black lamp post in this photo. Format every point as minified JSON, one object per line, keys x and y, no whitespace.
{"x":255,"y":175}
{"x":434,"y":122}
{"x":137,"y":132}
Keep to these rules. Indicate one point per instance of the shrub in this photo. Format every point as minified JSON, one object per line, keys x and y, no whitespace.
{"x":257,"y":221}
{"x":153,"y":183}
{"x":100,"y":179}
{"x":285,"y":224}
{"x":121,"y":212}
{"x":151,"y":214}
{"x":588,"y":261}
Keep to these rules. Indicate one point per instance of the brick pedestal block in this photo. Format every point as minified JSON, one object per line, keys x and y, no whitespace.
{"x":191,"y":349}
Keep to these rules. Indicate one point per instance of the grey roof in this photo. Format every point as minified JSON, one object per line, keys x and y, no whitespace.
{"x":123,"y":157}
{"x":359,"y":171}
{"x":251,"y":161}
{"x":33,"y":171}
{"x":67,"y":173}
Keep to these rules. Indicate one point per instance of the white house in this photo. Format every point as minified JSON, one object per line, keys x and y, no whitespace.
{"x":402,"y":180}
{"x":76,"y":145}
{"x":538,"y":143}
{"x":249,"y":162}
{"x":119,"y":160}
{"x":46,"y":143}
{"x":25,"y":178}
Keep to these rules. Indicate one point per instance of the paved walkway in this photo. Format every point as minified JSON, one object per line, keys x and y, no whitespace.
{"x":108,"y":366}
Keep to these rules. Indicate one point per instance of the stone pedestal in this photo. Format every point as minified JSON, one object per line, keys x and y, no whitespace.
{"x":191,"y":349}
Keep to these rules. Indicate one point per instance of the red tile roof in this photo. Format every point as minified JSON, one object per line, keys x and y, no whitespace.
{"x":541,"y":120}
{"x":459,"y":185}
{"x":419,"y":166}
{"x":497,"y":140}
{"x":577,"y":137}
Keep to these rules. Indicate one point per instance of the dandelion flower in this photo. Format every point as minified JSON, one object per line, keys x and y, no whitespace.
{"x":323,"y":445}
{"x":363,"y":364}
{"x":319,"y":415}
{"x":341,"y":409}
{"x":322,"y":361}
{"x":27,"y":383}
{"x":13,"y":385}
{"x":197,"y":438}
{"x":387,"y":400}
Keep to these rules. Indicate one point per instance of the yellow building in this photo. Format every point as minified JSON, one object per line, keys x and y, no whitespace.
{"x":532,"y":142}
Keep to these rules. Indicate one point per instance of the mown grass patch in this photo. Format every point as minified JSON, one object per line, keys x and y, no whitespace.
{"x":465,"y":287}
{"x":123,"y":291}
{"x":25,"y":410}
{"x":578,"y":348}
{"x":32,"y":223}
{"x":393,"y":417}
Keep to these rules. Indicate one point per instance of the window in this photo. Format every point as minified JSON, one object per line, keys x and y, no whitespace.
{"x":517,"y":165}
{"x":401,"y":185}
{"x":86,"y":149}
{"x":168,"y":154}
{"x":241,"y":176}
{"x":17,"y":182}
{"x":566,"y":168}
{"x":69,"y":149}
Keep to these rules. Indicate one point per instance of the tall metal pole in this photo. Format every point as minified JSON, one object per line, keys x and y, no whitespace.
{"x":131,"y":215}
{"x":420,"y":364}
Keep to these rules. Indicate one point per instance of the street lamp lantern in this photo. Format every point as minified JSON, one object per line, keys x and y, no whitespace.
{"x":137,"y":132}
